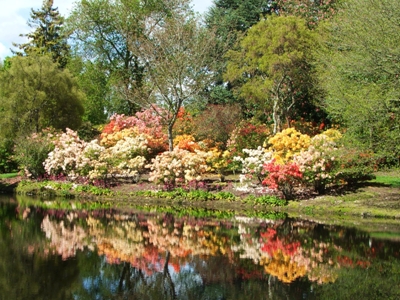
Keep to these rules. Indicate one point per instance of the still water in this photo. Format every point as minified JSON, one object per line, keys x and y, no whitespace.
{"x":185,"y":254}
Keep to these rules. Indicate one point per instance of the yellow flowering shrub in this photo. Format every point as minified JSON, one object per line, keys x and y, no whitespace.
{"x":332,"y":134}
{"x":287,"y":143}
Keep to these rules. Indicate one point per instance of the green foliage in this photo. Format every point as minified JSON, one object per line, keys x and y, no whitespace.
{"x":30,"y":152}
{"x":88,"y":132}
{"x":273,"y":70}
{"x":46,"y":96}
{"x":354,"y":165}
{"x":7,"y":164}
{"x":247,"y":135}
{"x":48,"y":37}
{"x":359,"y":67}
{"x":103,"y":32}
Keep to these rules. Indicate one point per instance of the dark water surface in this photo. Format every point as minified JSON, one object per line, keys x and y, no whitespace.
{"x":132,"y":254}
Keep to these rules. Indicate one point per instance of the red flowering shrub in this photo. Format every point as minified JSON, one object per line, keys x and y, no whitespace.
{"x":282,"y":177}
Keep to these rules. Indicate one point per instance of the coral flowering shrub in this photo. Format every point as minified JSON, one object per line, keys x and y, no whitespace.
{"x":146,"y":122}
{"x":282,"y":177}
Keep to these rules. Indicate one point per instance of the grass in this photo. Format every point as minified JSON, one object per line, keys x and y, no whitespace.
{"x":388,"y":180}
{"x":8,"y":175}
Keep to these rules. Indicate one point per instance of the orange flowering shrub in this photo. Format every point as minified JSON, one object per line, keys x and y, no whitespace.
{"x":186,"y":142}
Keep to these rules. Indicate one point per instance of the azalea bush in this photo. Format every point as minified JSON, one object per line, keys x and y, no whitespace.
{"x":287,"y":143}
{"x":186,"y":142}
{"x":317,"y":163}
{"x":178,"y":166}
{"x":282,"y":177}
{"x":66,"y":156}
{"x":252,"y":164}
{"x":146,"y":122}
{"x":75,"y":158}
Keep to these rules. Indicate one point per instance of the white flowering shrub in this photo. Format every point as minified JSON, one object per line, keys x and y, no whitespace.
{"x":252,"y":164}
{"x":66,"y":156}
{"x":74,"y":157}
{"x":178,"y":166}
{"x":317,"y":162}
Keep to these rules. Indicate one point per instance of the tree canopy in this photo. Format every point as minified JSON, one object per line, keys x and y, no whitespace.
{"x":272,"y":68}
{"x":34,"y":94}
{"x":360,"y":67}
{"x":48,"y":37}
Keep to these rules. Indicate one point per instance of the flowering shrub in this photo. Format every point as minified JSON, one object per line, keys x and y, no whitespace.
{"x":218,"y":161}
{"x":282,"y":177}
{"x":184,"y":122}
{"x":73,"y":157}
{"x":146,"y":122}
{"x":178,"y":166}
{"x":317,"y":162}
{"x":66,"y":156}
{"x":252,"y":165}
{"x":110,"y":139}
{"x":287,"y":143}
{"x":30,"y":152}
{"x":186,"y":142}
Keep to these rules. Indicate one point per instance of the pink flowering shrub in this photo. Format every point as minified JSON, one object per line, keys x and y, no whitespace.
{"x":317,"y":163}
{"x":145,"y":122}
{"x":282,"y":177}
{"x":178,"y":166}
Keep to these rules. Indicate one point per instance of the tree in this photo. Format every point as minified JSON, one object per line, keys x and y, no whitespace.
{"x":48,"y":37}
{"x":101,"y":31}
{"x":272,"y":68}
{"x":359,"y":68}
{"x":34,"y":94}
{"x":177,"y":63}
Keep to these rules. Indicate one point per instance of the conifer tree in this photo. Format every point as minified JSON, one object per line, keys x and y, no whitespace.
{"x":47,"y":37}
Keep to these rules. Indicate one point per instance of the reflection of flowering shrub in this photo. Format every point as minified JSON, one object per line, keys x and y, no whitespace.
{"x":178,"y":166}
{"x":282,"y":177}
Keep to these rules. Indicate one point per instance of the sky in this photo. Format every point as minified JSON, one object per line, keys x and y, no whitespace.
{"x":14,"y":15}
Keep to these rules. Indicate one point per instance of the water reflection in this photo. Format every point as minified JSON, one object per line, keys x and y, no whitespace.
{"x":107,"y":254}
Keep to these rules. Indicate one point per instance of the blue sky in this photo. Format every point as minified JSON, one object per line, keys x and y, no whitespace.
{"x":14,"y":15}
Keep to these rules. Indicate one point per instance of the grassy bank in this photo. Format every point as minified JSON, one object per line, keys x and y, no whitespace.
{"x":374,"y":200}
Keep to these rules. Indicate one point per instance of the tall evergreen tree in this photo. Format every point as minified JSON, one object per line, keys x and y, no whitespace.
{"x":48,"y":37}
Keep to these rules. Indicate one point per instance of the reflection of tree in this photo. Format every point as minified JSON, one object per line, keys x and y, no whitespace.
{"x":26,"y":273}
{"x":162,"y":256}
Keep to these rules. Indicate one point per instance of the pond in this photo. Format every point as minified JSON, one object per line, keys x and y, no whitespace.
{"x":169,"y":253}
